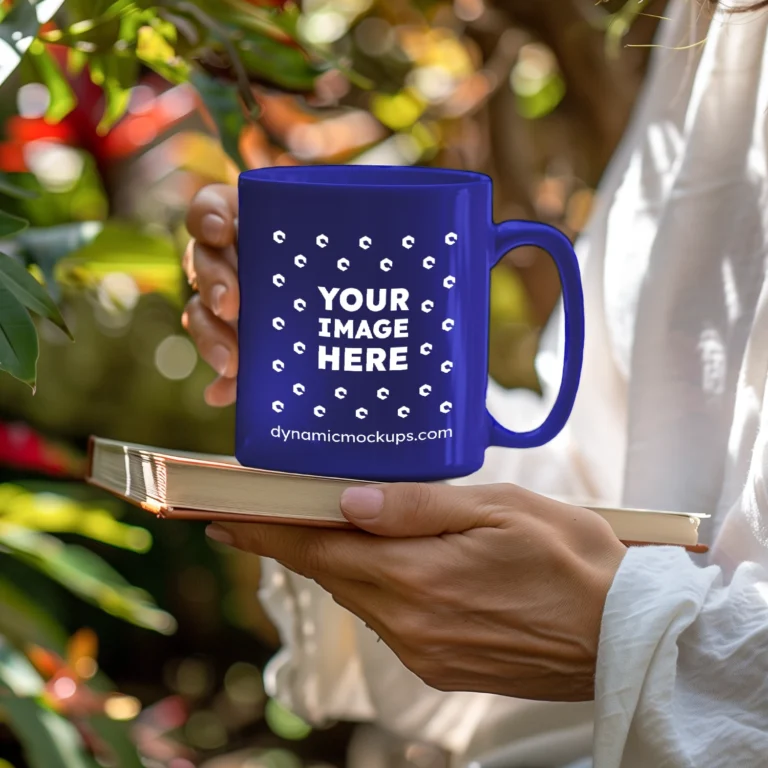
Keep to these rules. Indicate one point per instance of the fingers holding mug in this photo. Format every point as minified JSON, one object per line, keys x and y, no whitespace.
{"x":215,"y":339}
{"x":212,"y":216}
{"x":221,"y":392}
{"x":211,"y":273}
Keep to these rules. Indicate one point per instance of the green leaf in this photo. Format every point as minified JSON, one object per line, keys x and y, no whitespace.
{"x":11,"y":225}
{"x":96,"y":69}
{"x":86,"y":575}
{"x":118,"y":736}
{"x":157,"y":52}
{"x":80,"y":10}
{"x":49,"y":740}
{"x":62,"y":98}
{"x":118,"y":74}
{"x":280,"y":64}
{"x":29,"y":292}
{"x":8,"y":187}
{"x":46,"y":246}
{"x":89,"y":29}
{"x":152,"y":44}
{"x":150,"y":259}
{"x":18,"y":339}
{"x":24,"y":622}
{"x":55,"y":513}
{"x":17,"y":30}
{"x":223,"y":104}
{"x":244,"y":15}
{"x":189,"y":31}
{"x":76,"y":61}
{"x":131,"y":22}
{"x":17,"y":673}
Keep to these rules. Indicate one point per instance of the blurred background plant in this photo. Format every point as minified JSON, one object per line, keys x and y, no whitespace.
{"x":112,"y":115}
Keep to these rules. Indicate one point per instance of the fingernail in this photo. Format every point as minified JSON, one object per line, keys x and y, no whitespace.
{"x":217,"y":294}
{"x":217,"y":533}
{"x":212,"y":227}
{"x":219,"y":359}
{"x":362,"y":503}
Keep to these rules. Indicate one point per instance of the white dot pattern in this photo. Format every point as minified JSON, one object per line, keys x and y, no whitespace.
{"x":344,"y":264}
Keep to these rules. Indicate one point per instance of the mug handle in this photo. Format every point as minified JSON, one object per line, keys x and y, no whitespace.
{"x":513,"y":234}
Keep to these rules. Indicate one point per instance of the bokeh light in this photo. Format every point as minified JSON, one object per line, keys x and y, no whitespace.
{"x":323,"y":27}
{"x":193,"y":677}
{"x":119,"y":707}
{"x":175,"y":357}
{"x":32,"y":100}
{"x":243,"y":684}
{"x":204,"y":729}
{"x":118,"y":292}
{"x":375,"y":36}
{"x":57,"y":167}
{"x":64,"y":688}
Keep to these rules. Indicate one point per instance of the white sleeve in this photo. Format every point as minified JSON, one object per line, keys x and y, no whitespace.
{"x":682,"y":676}
{"x":332,"y":667}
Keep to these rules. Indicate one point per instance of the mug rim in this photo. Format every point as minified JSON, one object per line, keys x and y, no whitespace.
{"x":379,"y":176}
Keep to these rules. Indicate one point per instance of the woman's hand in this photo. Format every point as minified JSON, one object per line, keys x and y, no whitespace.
{"x":210,"y":262}
{"x":478,"y":588}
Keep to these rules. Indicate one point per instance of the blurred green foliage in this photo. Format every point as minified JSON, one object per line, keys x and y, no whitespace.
{"x":113,"y":41}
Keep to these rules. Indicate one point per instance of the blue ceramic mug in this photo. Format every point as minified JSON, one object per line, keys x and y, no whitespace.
{"x":364,"y":321}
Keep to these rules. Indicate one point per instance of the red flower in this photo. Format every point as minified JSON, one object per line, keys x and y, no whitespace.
{"x":23,"y":448}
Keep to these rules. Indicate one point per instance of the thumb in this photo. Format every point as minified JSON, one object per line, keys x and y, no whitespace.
{"x":403,"y":510}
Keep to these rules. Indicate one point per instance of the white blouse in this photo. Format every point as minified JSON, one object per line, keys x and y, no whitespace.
{"x":671,"y":414}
